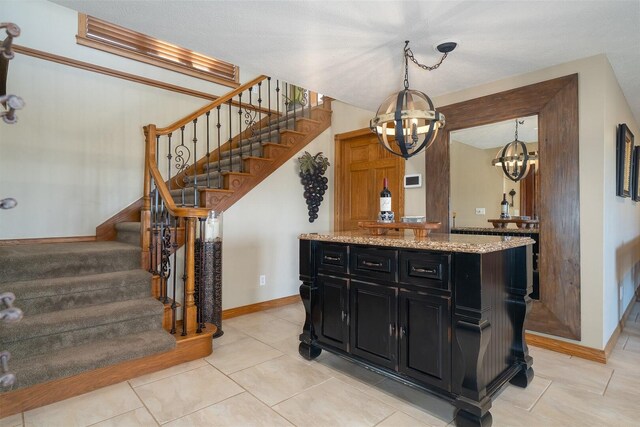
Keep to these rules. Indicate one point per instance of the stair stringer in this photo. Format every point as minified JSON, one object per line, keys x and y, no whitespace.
{"x":291,"y":142}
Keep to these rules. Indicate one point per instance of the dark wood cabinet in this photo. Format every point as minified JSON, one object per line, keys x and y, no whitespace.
{"x":451,"y":323}
{"x":425,"y":337}
{"x":333,"y":327}
{"x":374,"y":322}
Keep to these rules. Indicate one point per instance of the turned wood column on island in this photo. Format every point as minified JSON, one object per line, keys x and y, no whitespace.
{"x":444,"y":313}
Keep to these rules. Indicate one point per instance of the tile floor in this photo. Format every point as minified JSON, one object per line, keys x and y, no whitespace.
{"x":257,"y":378}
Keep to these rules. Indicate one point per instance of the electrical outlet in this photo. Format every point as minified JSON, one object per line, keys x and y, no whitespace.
{"x":480,"y":211}
{"x":263,"y":280}
{"x":621,"y":292}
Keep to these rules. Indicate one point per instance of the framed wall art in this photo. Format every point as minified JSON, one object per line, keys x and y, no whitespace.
{"x":635,"y":179}
{"x":624,"y":152}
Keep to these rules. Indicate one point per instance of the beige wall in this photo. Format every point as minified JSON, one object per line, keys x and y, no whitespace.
{"x":75,"y":157}
{"x":261,"y":229}
{"x":621,"y":227}
{"x":600,"y":101}
{"x":475,"y":183}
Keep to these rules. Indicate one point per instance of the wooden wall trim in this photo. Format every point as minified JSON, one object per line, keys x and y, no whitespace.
{"x":613,"y":340}
{"x":73,"y":239}
{"x":107,"y":230}
{"x":111,"y":72}
{"x":260,"y":306}
{"x":566,"y":348}
{"x":556,"y":104}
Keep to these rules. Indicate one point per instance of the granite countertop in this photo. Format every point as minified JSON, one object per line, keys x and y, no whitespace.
{"x":469,"y":243}
{"x":498,"y":230}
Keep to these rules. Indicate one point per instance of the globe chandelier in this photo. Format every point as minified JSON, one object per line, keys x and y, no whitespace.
{"x":514,"y":159}
{"x":407,"y":122}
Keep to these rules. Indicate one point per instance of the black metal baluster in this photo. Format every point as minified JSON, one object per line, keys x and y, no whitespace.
{"x":260,"y":114}
{"x":182,"y":190}
{"x":195,"y":161}
{"x":152,"y":221}
{"x":169,"y":157}
{"x":164,"y":267}
{"x":269,"y":101}
{"x":278,"y":105}
{"x":240,"y":129}
{"x":292,"y":103}
{"x":286,"y":107}
{"x":174,"y":304}
{"x":208,"y":153}
{"x":218,"y":125}
{"x":250,"y":122}
{"x":184,"y":279}
{"x":230,"y":138}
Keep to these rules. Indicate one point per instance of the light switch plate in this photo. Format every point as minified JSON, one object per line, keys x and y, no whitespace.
{"x":480,"y":211}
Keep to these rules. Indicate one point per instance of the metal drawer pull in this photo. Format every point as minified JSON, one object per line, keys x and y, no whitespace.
{"x":331,"y":258}
{"x":392,"y":329}
{"x":343,"y":315}
{"x":403,"y":331}
{"x":424,"y":270}
{"x":372,"y":264}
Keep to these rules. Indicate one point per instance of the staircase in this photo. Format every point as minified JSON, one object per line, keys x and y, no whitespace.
{"x":225,"y":175}
{"x":86,"y":306}
{"x":91,"y":313}
{"x":246,"y":135}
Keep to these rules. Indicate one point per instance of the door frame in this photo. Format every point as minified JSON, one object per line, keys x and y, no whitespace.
{"x":339,"y":165}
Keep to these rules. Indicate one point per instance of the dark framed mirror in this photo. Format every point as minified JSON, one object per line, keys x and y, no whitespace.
{"x":557,"y":311}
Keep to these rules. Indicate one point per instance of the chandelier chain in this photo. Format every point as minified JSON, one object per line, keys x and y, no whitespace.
{"x":521,"y":122}
{"x":408,"y":54}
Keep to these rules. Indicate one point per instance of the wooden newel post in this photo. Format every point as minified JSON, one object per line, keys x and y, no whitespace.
{"x":190,"y":313}
{"x":145,"y":213}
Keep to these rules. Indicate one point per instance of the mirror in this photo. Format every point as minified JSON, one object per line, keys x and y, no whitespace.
{"x":477,"y":186}
{"x":555,"y":102}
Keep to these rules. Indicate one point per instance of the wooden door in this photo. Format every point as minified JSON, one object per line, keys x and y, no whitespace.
{"x":361,"y":165}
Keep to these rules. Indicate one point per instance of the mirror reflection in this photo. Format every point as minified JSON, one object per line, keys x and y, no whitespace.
{"x":478,"y":183}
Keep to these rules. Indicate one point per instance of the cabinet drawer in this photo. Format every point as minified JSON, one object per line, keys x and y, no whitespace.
{"x":333,"y":258}
{"x":424,"y":269}
{"x":375,"y":263}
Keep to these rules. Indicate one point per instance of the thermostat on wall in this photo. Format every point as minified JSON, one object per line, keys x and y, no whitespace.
{"x":413,"y":181}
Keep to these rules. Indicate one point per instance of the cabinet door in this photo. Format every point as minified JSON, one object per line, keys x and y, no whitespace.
{"x":425,"y":338}
{"x":334,"y":303}
{"x":373,"y":319}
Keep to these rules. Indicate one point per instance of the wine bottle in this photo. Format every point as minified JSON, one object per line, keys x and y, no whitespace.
{"x":385,"y":203}
{"x":504,"y":207}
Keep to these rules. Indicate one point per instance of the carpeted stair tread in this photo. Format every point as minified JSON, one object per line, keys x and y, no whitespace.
{"x":128,"y":232}
{"x":74,"y":360}
{"x":62,"y":293}
{"x":14,"y":336}
{"x":35,"y":261}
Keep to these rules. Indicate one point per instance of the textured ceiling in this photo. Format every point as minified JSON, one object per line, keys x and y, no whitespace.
{"x":352,"y":50}
{"x":498,"y":134}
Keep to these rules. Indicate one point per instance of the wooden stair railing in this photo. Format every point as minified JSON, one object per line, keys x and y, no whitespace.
{"x":247,"y":133}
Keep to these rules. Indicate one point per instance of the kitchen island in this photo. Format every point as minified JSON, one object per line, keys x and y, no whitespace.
{"x":443,"y":313}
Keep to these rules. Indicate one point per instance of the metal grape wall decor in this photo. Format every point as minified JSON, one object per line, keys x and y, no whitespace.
{"x":312,"y":169}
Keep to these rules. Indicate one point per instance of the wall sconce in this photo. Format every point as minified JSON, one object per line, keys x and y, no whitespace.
{"x":409,"y":115}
